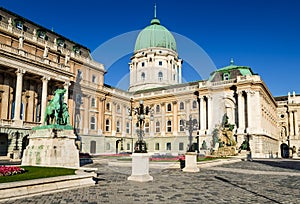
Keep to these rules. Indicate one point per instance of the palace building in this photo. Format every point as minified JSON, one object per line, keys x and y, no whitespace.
{"x":35,"y":61}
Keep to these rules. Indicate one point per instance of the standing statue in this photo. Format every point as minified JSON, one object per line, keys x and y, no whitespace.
{"x":57,"y":110}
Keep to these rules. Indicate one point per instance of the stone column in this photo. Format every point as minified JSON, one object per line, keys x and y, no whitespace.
{"x":209,"y":112}
{"x":202,"y":114}
{"x":113,"y":118}
{"x":66,"y":86}
{"x":296,"y":123}
{"x":163,"y":119}
{"x":291,"y":122}
{"x":175,"y":115}
{"x":101,"y":115}
{"x":241,"y":113}
{"x":18,"y":95}
{"x":249,"y":107}
{"x":124,"y":117}
{"x":44,"y":97}
{"x":86,"y":119}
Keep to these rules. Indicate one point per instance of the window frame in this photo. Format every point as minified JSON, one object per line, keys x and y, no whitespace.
{"x":107,"y":125}
{"x":93,"y":123}
{"x":157,"y":126}
{"x":169,"y":126}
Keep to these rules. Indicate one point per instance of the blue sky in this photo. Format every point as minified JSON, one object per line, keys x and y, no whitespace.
{"x":262,"y":34}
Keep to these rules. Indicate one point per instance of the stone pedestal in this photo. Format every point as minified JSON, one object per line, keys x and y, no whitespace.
{"x":140,"y":167}
{"x":51,"y":147}
{"x":191,"y":162}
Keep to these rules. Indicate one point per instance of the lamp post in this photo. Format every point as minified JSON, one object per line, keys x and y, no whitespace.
{"x":140,"y":112}
{"x":191,"y":125}
{"x":140,"y":157}
{"x":17,"y":135}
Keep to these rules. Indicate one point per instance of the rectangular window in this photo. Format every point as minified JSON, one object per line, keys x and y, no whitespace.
{"x":94,"y":79}
{"x":93,"y":102}
{"x":168,"y":146}
{"x":160,"y":63}
{"x":118,"y":126}
{"x":128,"y":146}
{"x":181,"y":125}
{"x":156,"y":146}
{"x":127,"y":127}
{"x":181,"y":146}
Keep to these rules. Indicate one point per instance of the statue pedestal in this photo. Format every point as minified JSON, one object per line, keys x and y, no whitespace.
{"x":191,"y":162}
{"x":51,"y":147}
{"x":140,"y":168}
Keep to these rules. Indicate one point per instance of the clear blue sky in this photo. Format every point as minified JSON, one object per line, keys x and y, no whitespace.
{"x":262,"y":34}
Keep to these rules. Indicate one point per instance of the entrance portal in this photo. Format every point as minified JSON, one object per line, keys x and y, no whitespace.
{"x":284,"y":150}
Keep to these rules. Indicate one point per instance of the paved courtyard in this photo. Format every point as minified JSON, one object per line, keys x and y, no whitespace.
{"x":259,"y":181}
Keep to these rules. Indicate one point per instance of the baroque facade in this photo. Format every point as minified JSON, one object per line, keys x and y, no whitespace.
{"x":35,"y":61}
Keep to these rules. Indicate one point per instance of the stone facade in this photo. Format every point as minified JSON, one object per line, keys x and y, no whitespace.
{"x":35,"y":61}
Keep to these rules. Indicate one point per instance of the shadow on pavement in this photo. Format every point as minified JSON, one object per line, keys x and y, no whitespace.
{"x":281,"y":163}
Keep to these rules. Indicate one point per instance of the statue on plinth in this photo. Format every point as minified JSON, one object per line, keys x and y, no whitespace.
{"x":223,"y":141}
{"x":53,"y":143}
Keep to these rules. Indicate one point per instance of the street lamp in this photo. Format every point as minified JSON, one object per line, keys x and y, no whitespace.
{"x":140,"y":112}
{"x":17,"y":134}
{"x":191,"y":125}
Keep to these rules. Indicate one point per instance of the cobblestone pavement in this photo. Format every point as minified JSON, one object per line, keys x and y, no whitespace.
{"x":259,"y":181}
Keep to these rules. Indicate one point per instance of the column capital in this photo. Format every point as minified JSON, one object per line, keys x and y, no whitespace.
{"x":249,"y":91}
{"x":45,"y":78}
{"x":67,"y":83}
{"x":20,"y":71}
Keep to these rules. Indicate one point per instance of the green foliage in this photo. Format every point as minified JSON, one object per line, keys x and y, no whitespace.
{"x":200,"y":159}
{"x":245,"y":145}
{"x":34,"y":172}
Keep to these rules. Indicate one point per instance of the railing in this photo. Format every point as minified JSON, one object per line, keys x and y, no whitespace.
{"x":30,"y":124}
{"x":217,"y":83}
{"x":6,"y":122}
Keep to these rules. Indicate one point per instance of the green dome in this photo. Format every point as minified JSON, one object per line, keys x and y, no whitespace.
{"x":155,"y":35}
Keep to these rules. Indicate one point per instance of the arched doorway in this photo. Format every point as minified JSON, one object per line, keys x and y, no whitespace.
{"x":3,"y":144}
{"x":284,"y":150}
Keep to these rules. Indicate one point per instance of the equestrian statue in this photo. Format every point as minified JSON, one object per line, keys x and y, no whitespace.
{"x":57,"y":111}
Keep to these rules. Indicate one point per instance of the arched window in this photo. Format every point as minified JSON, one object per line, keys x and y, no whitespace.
{"x":169,"y":126}
{"x":157,"y":126}
{"x":194,"y":104}
{"x":93,"y":123}
{"x":143,"y":76}
{"x":226,"y":76}
{"x":147,"y":127}
{"x":107,"y":125}
{"x":181,"y":106}
{"x":118,"y":126}
{"x":181,"y":125}
{"x":160,"y":76}
{"x":169,"y":107}
{"x":157,"y":108}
